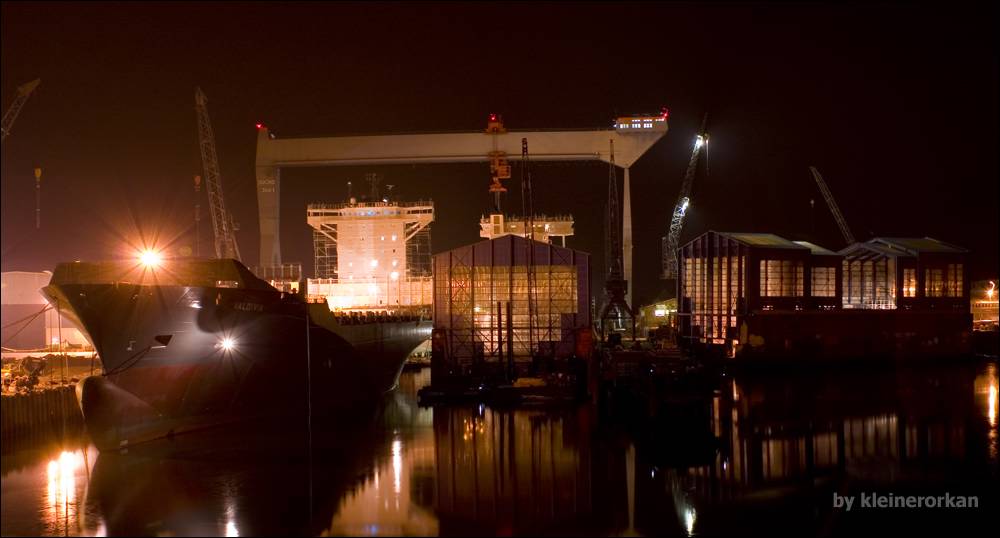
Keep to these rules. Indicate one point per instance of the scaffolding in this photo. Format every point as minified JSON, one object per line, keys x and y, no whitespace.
{"x":418,"y":253}
{"x":325,"y":251}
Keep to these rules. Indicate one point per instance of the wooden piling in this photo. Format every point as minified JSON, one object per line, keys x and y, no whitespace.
{"x":22,"y":414}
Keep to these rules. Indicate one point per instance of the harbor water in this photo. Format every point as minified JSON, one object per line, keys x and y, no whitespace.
{"x":766,"y":453}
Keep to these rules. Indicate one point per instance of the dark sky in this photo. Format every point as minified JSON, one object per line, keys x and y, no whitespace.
{"x":895,"y":104}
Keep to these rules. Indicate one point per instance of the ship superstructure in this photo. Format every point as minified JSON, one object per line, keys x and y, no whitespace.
{"x":371,"y":255}
{"x":547,"y":228}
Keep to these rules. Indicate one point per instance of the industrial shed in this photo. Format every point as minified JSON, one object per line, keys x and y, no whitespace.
{"x":762,"y":294}
{"x":482,"y":312}
{"x":725,"y":276}
{"x":905,"y":272}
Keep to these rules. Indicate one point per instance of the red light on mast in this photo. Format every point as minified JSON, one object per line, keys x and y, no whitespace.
{"x":493,"y":117}
{"x":260,"y":126}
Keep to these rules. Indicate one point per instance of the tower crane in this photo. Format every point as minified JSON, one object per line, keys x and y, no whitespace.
{"x":828,"y":196}
{"x":222,"y":221}
{"x":672,"y":242}
{"x":23,"y":93}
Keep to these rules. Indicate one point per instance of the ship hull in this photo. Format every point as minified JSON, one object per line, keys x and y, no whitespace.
{"x":166,"y":370}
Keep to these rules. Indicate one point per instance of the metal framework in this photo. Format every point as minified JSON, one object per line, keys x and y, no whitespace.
{"x":565,"y":145}
{"x":832,"y":204}
{"x":528,"y":209}
{"x":672,"y":242}
{"x":222,"y":221}
{"x":473,"y":286}
{"x":616,"y":305}
{"x":23,"y":93}
{"x":325,"y":251}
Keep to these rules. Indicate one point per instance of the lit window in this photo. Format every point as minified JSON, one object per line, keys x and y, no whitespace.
{"x":953,"y":280}
{"x":781,"y":278}
{"x":909,"y":282}
{"x":933,"y":283}
{"x":824,"y":281}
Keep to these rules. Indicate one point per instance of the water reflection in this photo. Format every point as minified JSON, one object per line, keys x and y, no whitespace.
{"x":53,"y":482}
{"x":985,"y":387}
{"x":62,"y":491}
{"x":762,"y":454}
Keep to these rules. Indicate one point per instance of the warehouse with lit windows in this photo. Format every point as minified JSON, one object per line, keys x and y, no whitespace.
{"x":759,"y":293}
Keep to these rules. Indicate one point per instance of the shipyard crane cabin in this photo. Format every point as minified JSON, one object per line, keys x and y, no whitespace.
{"x":832,"y":204}
{"x":672,"y":242}
{"x":222,"y":221}
{"x":23,"y":93}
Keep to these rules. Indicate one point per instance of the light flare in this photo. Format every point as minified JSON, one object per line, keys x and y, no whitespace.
{"x":150,"y":258}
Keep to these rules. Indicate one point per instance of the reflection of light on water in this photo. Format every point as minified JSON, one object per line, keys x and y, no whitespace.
{"x":985,"y":387}
{"x":231,"y":529}
{"x":992,"y":405}
{"x":366,"y":512}
{"x":61,"y":488}
{"x":683,"y":505}
{"x":689,"y":517}
{"x":397,"y":464}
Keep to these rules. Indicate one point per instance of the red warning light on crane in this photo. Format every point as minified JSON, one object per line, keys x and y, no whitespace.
{"x":260,"y":126}
{"x":665,"y":112}
{"x":493,"y":117}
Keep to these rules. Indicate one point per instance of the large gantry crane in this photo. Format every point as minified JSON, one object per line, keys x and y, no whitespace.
{"x":23,"y":93}
{"x":672,"y":241}
{"x":222,"y":221}
{"x":832,"y":204}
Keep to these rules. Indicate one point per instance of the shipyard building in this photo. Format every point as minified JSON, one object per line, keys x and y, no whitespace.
{"x":754,"y":293}
{"x":501,"y":302}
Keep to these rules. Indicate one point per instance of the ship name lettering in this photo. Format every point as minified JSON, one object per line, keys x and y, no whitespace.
{"x":249,"y":307}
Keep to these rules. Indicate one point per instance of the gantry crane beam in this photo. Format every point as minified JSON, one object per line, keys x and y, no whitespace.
{"x":23,"y":93}
{"x":832,"y":204}
{"x":222,"y":221}
{"x":565,"y":145}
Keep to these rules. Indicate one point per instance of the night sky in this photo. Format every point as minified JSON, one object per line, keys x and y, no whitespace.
{"x":896,"y":105}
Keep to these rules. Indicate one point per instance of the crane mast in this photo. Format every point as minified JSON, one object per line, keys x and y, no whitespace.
{"x":23,"y":93}
{"x":528,"y":208}
{"x":828,"y":196}
{"x":616,"y":307}
{"x":222,"y":221}
{"x":672,"y":242}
